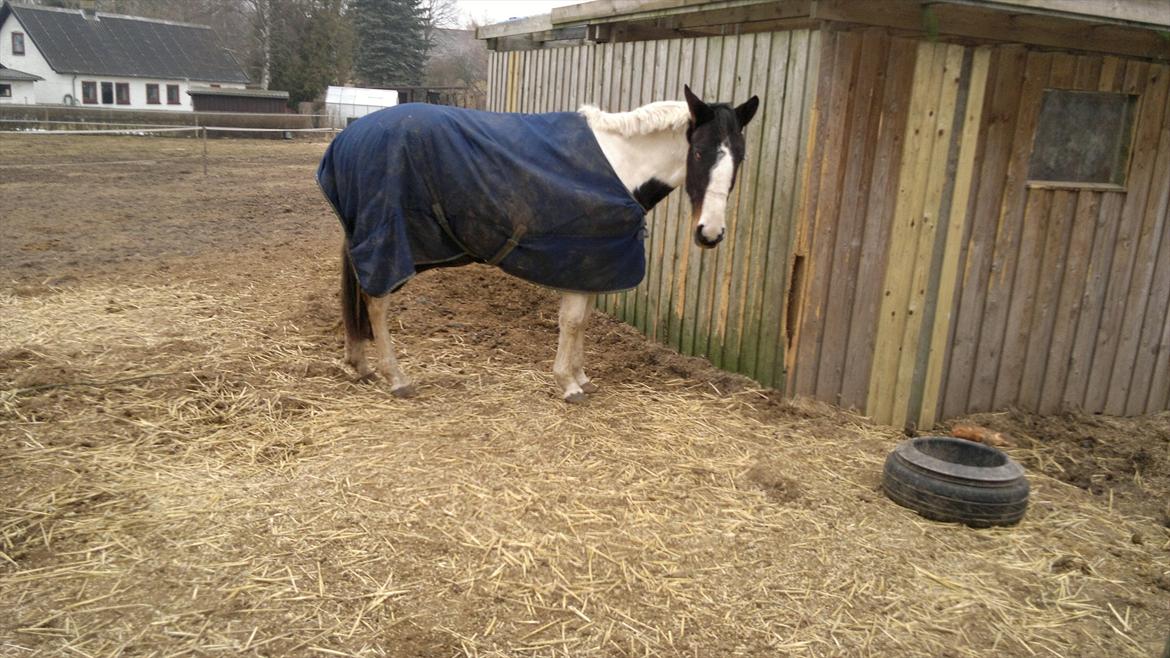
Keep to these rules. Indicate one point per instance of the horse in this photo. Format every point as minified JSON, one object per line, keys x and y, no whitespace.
{"x":558,"y":199}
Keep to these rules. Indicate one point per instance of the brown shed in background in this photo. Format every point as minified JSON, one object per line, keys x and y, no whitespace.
{"x":216,"y":99}
{"x":949,"y":206}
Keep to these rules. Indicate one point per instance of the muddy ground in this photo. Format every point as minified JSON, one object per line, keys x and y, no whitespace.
{"x":185,"y":465}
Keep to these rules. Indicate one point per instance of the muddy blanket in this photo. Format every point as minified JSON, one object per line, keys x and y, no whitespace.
{"x":419,"y":186}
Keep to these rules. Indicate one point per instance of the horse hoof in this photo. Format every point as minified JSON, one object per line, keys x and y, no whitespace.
{"x":366,"y":378}
{"x":576,"y":398}
{"x":589,"y":387}
{"x":407,"y":391}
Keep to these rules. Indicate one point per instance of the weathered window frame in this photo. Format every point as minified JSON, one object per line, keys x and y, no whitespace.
{"x":89,"y":92}
{"x":18,"y":43}
{"x":173,"y":97}
{"x":1063,"y":128}
{"x":5,"y":90}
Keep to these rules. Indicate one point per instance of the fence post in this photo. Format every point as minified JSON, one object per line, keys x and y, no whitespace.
{"x":204,"y":151}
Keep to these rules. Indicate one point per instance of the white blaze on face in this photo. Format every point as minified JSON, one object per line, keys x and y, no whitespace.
{"x":714,"y":214}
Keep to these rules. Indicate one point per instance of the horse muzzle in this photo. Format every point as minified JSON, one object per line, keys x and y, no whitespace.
{"x":705,"y":242}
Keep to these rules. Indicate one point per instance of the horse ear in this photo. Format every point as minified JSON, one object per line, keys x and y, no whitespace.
{"x":745,"y":112}
{"x":700,"y":112}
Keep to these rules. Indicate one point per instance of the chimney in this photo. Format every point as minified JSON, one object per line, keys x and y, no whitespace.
{"x":89,"y":9}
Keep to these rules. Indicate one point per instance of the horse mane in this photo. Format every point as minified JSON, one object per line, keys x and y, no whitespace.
{"x":651,"y":118}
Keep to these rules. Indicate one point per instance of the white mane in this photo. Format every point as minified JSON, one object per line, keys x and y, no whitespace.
{"x":652,"y":118}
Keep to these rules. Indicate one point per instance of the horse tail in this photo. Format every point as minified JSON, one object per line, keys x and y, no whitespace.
{"x":354,"y":313}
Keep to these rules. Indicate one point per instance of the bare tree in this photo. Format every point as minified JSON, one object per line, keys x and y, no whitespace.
{"x":437,"y":15}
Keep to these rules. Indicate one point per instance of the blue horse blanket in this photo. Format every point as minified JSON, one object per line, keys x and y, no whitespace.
{"x":419,"y":186}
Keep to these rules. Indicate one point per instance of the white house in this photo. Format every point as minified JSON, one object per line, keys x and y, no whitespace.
{"x":17,"y":86}
{"x":83,"y":57}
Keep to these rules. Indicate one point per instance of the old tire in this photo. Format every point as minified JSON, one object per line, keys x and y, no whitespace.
{"x":954,"y":480}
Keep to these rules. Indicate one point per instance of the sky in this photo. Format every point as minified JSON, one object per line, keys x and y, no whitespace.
{"x":495,"y":11}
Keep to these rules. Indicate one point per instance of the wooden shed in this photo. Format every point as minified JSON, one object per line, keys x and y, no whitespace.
{"x":949,"y":206}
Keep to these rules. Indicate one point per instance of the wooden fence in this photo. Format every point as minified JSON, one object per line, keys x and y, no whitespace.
{"x":728,"y":303}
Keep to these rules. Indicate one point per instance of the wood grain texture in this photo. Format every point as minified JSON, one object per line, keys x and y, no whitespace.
{"x":959,"y":215}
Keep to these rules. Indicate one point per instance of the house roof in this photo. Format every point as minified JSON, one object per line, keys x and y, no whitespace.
{"x":17,"y":76}
{"x":115,"y":45}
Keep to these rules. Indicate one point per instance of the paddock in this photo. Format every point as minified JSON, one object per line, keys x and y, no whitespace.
{"x":187,"y":469}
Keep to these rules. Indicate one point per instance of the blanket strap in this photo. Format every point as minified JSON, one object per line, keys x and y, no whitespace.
{"x":494,"y":260}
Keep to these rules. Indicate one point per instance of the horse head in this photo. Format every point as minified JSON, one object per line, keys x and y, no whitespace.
{"x":714,"y":153}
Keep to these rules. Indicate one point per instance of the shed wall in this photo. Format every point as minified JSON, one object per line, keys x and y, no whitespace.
{"x":937,"y":281}
{"x":728,"y":303}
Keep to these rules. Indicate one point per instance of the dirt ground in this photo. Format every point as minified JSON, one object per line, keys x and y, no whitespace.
{"x":187,"y":468}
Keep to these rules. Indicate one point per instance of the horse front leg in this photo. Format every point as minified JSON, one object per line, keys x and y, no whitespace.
{"x":400,"y":385}
{"x":578,"y":359}
{"x":573,"y":313}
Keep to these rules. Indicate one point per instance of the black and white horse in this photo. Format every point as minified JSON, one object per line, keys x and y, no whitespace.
{"x":652,"y":150}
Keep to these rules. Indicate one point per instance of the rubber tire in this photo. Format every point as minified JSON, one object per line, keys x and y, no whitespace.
{"x":976,"y":502}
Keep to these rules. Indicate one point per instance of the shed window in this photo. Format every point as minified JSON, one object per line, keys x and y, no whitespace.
{"x":123,"y":89}
{"x":151,"y":94}
{"x":89,"y":92}
{"x":107,"y":93}
{"x":172,"y":94}
{"x":5,"y":91}
{"x":18,"y":43}
{"x":1082,"y":137}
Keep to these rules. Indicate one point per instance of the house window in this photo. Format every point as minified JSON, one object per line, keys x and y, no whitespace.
{"x":18,"y":43}
{"x":123,"y":92}
{"x":89,"y":92}
{"x":151,"y":94}
{"x":1082,"y":138}
{"x":172,"y":94}
{"x":5,"y":91}
{"x":107,"y":93}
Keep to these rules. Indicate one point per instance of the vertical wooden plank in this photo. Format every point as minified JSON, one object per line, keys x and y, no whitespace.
{"x":790,"y":203}
{"x":1107,"y":361}
{"x":730,"y":262}
{"x":679,"y":55}
{"x":1068,"y":305}
{"x":831,"y":178}
{"x":912,"y":179}
{"x":1153,"y":212}
{"x":958,"y":219}
{"x":1052,"y":271}
{"x":694,"y":65}
{"x":924,"y":260}
{"x":704,"y":87}
{"x":1007,"y":237}
{"x":1037,"y":211}
{"x":1005,"y":74}
{"x":877,"y":212}
{"x":658,"y":220}
{"x":641,"y":301}
{"x":719,"y":78}
{"x":751,"y":225}
{"x":1159,"y":398}
{"x":860,"y":142}
{"x":1153,"y":361}
{"x":768,"y":71}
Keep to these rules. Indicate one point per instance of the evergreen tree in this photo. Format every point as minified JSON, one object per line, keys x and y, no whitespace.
{"x":391,"y":47}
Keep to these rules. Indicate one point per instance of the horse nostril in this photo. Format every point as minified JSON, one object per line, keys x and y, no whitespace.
{"x":704,"y":241}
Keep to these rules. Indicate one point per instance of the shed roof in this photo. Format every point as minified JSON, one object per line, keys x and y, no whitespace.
{"x":115,"y":45}
{"x":1124,"y":27}
{"x":17,"y":76}
{"x":240,"y":93}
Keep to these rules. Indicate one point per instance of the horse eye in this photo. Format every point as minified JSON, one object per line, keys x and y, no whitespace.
{"x":698,"y":156}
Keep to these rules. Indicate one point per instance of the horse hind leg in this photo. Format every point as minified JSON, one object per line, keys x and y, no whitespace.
{"x":387,"y":365}
{"x":354,"y":316}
